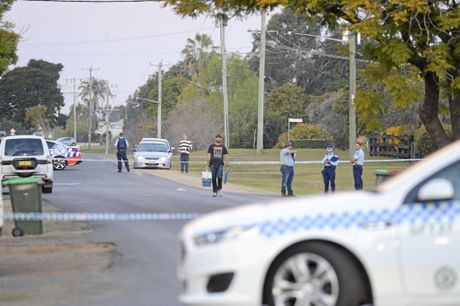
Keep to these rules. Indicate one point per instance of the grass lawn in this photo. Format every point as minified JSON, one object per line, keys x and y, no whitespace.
{"x":307,"y":179}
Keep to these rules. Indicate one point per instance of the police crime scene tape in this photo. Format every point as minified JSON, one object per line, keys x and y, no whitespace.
{"x":56,"y":216}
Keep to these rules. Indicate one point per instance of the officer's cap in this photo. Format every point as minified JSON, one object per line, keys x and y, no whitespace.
{"x":330,"y":148}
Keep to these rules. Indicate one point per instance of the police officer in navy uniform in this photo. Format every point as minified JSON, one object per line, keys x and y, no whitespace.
{"x":122,"y":146}
{"x":330,"y":162}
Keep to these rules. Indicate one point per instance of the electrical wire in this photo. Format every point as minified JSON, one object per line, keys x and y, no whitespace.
{"x":115,"y":39}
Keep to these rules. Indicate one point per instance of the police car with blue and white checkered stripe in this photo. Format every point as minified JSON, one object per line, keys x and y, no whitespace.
{"x":399,"y":245}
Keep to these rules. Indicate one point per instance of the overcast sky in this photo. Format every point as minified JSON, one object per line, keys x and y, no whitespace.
{"x":122,"y":40}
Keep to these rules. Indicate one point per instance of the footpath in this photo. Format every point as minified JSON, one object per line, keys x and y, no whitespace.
{"x":56,"y":268}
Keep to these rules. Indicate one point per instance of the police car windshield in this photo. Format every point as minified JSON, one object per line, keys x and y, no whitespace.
{"x":152,"y":147}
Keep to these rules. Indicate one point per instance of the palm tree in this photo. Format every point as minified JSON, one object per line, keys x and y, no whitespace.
{"x":197,"y":51}
{"x":93,"y":93}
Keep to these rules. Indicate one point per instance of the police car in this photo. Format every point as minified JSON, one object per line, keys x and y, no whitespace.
{"x":399,"y":245}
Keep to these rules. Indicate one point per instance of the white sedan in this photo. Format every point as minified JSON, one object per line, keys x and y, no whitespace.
{"x":399,"y":245}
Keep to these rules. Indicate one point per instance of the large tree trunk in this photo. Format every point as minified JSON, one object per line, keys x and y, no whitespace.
{"x":454,"y":111}
{"x":429,"y":111}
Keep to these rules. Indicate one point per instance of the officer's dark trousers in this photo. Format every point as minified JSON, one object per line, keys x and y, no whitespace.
{"x":121,"y":156}
{"x":329,"y":178}
{"x":184,"y":158}
{"x":287,"y":176}
{"x":357,"y":176}
{"x":217,"y":173}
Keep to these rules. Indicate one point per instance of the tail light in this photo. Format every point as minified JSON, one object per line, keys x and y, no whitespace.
{"x":75,"y":149}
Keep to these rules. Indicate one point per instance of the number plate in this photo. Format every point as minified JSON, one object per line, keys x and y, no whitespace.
{"x":25,"y":163}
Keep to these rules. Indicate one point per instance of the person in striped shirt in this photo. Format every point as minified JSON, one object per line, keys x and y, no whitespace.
{"x":185,"y":147}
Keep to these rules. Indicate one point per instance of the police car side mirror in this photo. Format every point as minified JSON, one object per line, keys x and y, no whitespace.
{"x":436,"y":190}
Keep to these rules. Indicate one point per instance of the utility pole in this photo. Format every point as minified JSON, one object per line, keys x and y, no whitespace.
{"x":260,"y":104}
{"x":107,"y":110}
{"x":352,"y":106}
{"x":223,"y":24}
{"x":74,"y":92}
{"x":159,"y":101}
{"x":91,"y":102}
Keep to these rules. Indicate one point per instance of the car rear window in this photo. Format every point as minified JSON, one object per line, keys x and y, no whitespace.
{"x":23,"y":147}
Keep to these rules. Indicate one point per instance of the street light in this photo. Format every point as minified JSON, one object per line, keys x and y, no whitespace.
{"x":158,"y":114}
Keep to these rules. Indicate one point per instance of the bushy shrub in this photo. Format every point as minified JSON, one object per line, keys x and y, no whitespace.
{"x":423,"y":143}
{"x":302,"y":132}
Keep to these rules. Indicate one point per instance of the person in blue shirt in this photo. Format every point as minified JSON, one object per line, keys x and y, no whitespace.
{"x":330,"y":162}
{"x":287,"y":161}
{"x":358,"y":163}
{"x":122,"y":146}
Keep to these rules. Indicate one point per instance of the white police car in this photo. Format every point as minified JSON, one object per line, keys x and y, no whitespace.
{"x":397,"y":246}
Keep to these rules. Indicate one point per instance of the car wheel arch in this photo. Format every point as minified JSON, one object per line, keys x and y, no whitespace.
{"x":339,"y":247}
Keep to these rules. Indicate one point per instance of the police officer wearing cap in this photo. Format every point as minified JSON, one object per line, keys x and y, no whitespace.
{"x":330,"y":162}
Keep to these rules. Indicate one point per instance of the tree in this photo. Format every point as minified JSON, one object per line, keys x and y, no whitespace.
{"x":196,"y":52}
{"x":93,"y":92}
{"x":37,"y":116}
{"x":403,"y":36}
{"x":294,"y":54}
{"x":8,"y":38}
{"x":287,"y":101}
{"x":25,"y":87}
{"x":194,"y":119}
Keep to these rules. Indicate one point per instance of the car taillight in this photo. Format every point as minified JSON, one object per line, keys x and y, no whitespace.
{"x":75,"y":149}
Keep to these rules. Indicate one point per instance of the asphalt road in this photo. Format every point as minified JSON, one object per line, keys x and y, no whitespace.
{"x":143,"y":271}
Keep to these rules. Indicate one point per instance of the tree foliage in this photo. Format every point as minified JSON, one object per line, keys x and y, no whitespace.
{"x":296,"y":54}
{"x":25,"y":87}
{"x":401,"y":35}
{"x":8,"y":38}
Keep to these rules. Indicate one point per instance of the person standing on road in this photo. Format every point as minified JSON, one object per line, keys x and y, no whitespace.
{"x":185,"y":147}
{"x":330,"y":162}
{"x":217,"y":159}
{"x":358,"y":163}
{"x":122,"y":146}
{"x":287,"y":161}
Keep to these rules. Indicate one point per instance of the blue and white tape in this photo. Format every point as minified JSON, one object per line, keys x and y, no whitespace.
{"x":412,"y":214}
{"x":55,"y":216}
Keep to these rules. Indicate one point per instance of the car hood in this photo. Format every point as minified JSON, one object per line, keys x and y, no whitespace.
{"x":287,"y":209}
{"x":152,"y":154}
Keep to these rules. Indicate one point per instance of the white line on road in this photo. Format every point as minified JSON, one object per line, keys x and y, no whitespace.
{"x":66,"y":184}
{"x":181,"y":189}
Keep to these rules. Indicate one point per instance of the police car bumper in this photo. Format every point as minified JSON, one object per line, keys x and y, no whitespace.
{"x":227,"y":274}
{"x":152,"y":164}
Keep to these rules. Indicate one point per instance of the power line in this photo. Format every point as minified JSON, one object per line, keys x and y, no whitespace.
{"x":115,"y":39}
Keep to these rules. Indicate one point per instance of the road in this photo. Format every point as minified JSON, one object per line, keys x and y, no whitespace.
{"x":143,"y":271}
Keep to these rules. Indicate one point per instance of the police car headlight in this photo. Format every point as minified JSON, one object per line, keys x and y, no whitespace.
{"x":232,"y":233}
{"x":140,"y":158}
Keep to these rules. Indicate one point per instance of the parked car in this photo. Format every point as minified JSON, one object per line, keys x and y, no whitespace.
{"x":153,"y":154}
{"x":74,"y":156}
{"x":146,"y":139}
{"x":26,"y":156}
{"x":398,"y":245}
{"x":1,"y":212}
{"x":63,"y":155}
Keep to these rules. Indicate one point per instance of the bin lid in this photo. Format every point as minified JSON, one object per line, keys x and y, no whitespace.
{"x":26,"y":180}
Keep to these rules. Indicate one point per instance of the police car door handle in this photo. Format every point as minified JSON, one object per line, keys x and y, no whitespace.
{"x":377,"y":225}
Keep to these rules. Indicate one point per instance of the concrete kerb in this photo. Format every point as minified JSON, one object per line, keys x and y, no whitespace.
{"x":194,"y":180}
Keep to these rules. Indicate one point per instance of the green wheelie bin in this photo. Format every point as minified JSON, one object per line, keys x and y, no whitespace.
{"x":26,"y":197}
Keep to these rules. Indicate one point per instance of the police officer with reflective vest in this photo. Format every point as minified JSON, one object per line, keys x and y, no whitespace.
{"x":330,"y":162}
{"x":122,"y":146}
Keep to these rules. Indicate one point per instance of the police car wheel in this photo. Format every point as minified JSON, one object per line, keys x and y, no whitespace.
{"x":59,"y":163}
{"x":315,"y":274}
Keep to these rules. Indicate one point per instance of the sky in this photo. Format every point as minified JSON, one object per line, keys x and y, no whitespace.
{"x":123,"y":42}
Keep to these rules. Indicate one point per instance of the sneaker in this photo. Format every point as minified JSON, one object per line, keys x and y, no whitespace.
{"x":219,"y":193}
{"x":127,"y":169}
{"x":214,"y":194}
{"x":291,"y":194}
{"x":283,"y":194}
{"x":119,"y":170}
